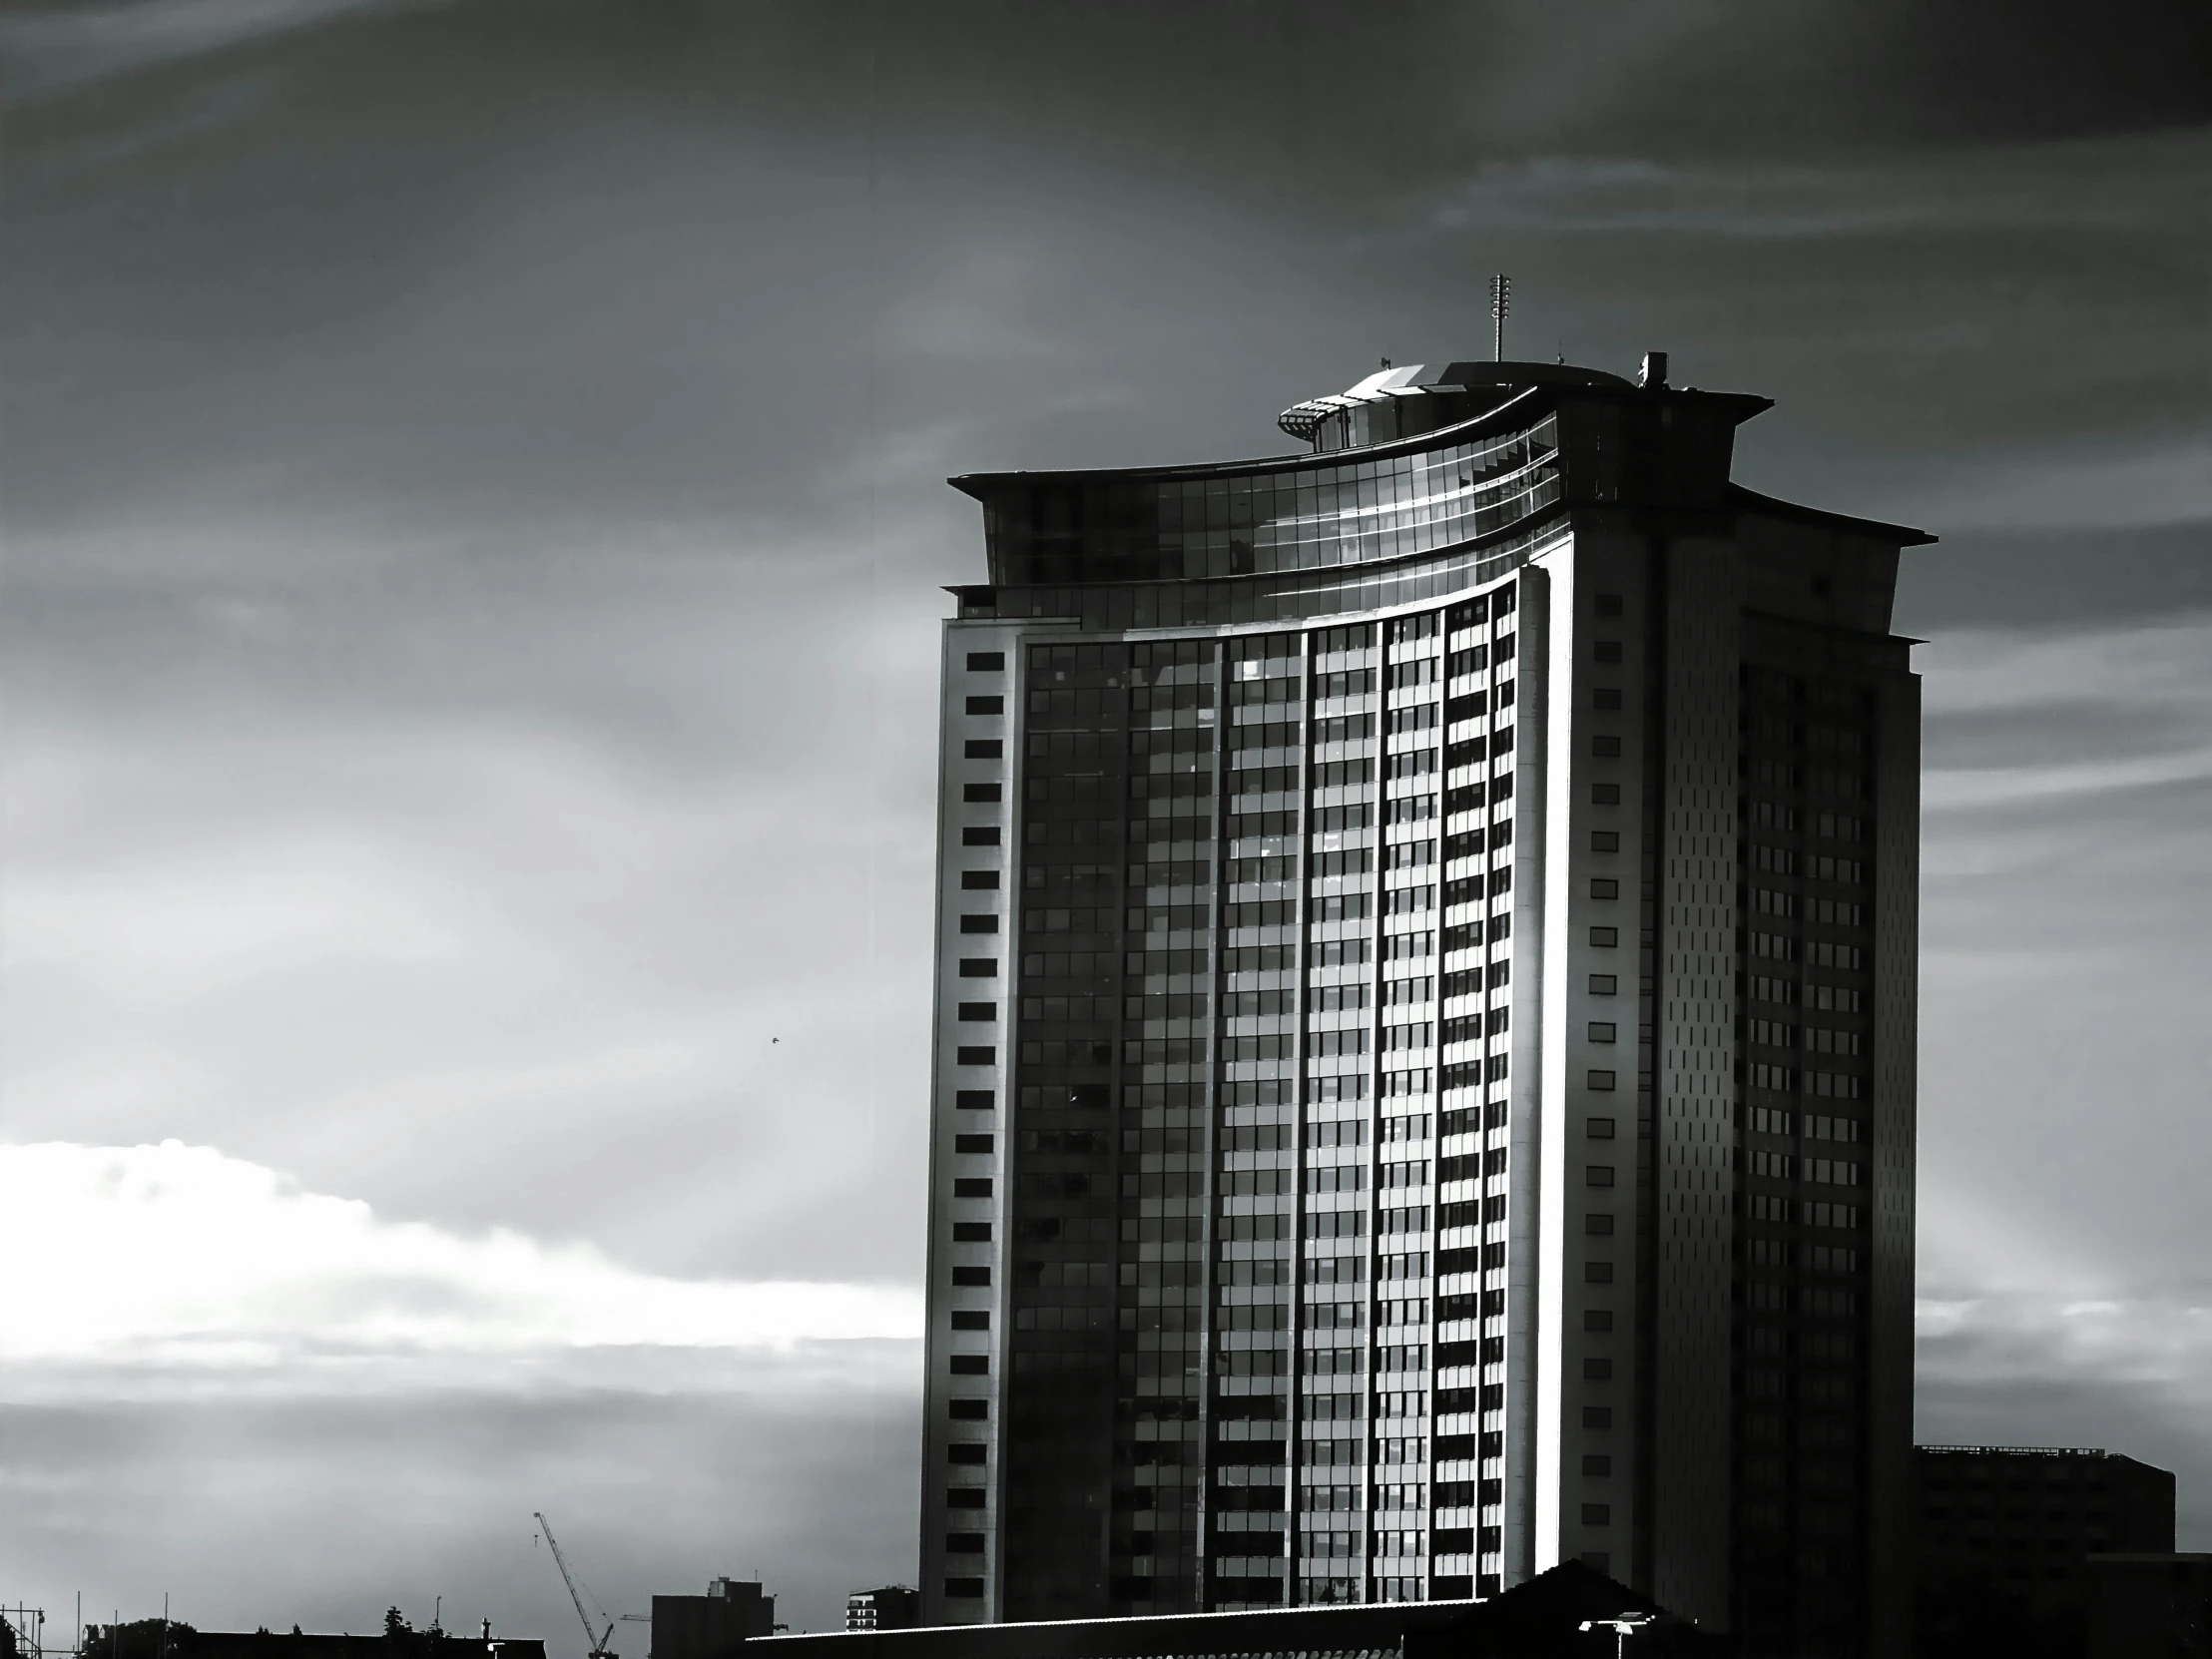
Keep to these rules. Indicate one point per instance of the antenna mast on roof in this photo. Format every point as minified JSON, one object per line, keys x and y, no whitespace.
{"x":1501,"y":300}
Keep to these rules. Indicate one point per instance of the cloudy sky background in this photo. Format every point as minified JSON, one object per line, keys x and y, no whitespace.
{"x":474,"y":523}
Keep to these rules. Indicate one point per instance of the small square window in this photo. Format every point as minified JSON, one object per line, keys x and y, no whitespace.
{"x":1597,"y":1515}
{"x":1597,"y":1416}
{"x":975,"y":1100}
{"x":1601,"y":1030}
{"x":963,"y":1589}
{"x":981,"y":923}
{"x":1597,"y":1371}
{"x":979,"y":1010}
{"x":973,"y":1142}
{"x":1596,"y":1463}
{"x":1605,"y":984}
{"x":986,"y":662}
{"x":1607,"y":698}
{"x":1605,"y":938}
{"x":966,"y":1452}
{"x":971,"y":1232}
{"x":1605,"y":795}
{"x":970,"y":1410}
{"x":1604,"y":745}
{"x":978,"y":968}
{"x":964,"y":1320}
{"x":985,"y":749}
{"x":1598,"y":1129}
{"x":986,"y":705}
{"x":1604,"y":886}
{"x":1598,"y":1273}
{"x":1608,"y":650}
{"x":972,"y":1185}
{"x":1608,"y":604}
{"x":979,"y":792}
{"x":975,"y":1279}
{"x":1598,"y":1226}
{"x":978,"y":881}
{"x":979,"y":835}
{"x":964,"y":1543}
{"x":970,"y":1364}
{"x":1597,"y":1175}
{"x":1599,"y":1320}
{"x":1597,"y":1560}
{"x":1601,"y":1080}
{"x":1605,"y":841}
{"x":975,"y":1054}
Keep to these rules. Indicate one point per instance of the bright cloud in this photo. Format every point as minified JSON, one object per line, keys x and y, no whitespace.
{"x":180,"y":1255}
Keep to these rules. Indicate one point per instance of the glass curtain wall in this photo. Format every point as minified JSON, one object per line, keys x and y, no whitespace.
{"x":1257,"y":1211}
{"x":1802,"y":1342}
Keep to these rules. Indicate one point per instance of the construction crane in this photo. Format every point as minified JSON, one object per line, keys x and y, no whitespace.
{"x":594,"y":1648}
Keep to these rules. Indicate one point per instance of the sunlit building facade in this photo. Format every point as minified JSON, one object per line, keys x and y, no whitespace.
{"x":1425,"y":1034}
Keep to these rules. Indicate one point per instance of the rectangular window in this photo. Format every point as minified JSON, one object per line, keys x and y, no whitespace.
{"x":1608,"y":604}
{"x":973,"y":1142}
{"x":969,"y":1411}
{"x":972,"y":1278}
{"x":1598,"y":1273}
{"x":1597,"y":1515}
{"x":1597,"y":1416}
{"x":1597,"y":1371}
{"x":986,"y":662}
{"x":1598,"y":1227}
{"x":971,"y":1232}
{"x":1598,"y":1175}
{"x":1605,"y":746}
{"x":1604,"y":886}
{"x":1601,"y":1080}
{"x":1605,"y":841}
{"x":1605,"y":795}
{"x":978,"y":968}
{"x":963,"y":1589}
{"x":1604,"y":985}
{"x":1598,"y":1129}
{"x":977,"y":1055}
{"x":975,"y":1100}
{"x":985,"y":749}
{"x":965,"y":1544}
{"x":972,"y":1185}
{"x":1608,"y":650}
{"x":1599,"y":1320}
{"x":986,"y":705}
{"x":978,"y":792}
{"x":1596,"y":1463}
{"x":979,"y":1010}
{"x":979,"y":835}
{"x":978,"y":881}
{"x":1607,"y":698}
{"x":963,"y":1319}
{"x":979,"y":923}
{"x":1605,"y":938}
{"x":967,"y":1453}
{"x":1601,"y":1030}
{"x":972,"y":1364}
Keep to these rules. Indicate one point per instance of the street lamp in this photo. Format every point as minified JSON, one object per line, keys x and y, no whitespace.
{"x":1623,"y":1626}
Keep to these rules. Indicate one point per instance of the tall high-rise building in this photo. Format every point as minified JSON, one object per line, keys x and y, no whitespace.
{"x":1425,"y":1025}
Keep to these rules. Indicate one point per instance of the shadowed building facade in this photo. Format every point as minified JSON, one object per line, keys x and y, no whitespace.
{"x":1425,"y":1040}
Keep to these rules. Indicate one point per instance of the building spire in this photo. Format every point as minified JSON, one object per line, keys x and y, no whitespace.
{"x":1501,"y":301}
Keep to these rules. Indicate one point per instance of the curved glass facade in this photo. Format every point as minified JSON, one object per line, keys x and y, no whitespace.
{"x":1103,"y":527}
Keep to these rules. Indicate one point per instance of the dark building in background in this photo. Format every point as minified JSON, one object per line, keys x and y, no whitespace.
{"x":1424,"y":1077}
{"x":711,"y":1627}
{"x":2150,"y":1607}
{"x":2004,"y":1537}
{"x":892,"y":1607}
{"x":184,"y":1642}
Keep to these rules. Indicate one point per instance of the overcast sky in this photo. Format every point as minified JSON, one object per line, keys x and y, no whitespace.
{"x":474,"y":535}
